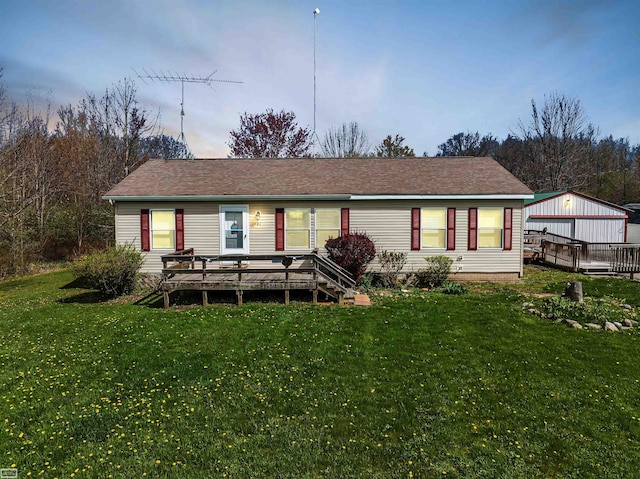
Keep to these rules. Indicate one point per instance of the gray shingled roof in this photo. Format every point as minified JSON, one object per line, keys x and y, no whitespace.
{"x":318,"y":176}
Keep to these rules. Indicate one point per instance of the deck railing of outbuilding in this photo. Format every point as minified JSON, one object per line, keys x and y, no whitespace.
{"x":577,"y":255}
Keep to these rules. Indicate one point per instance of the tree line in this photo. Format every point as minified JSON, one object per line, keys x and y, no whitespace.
{"x":556,"y":149}
{"x":52,"y":177}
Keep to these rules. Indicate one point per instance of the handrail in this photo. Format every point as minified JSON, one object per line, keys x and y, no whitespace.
{"x":233,"y":257}
{"x":340,"y":274}
{"x":332,"y":264}
{"x":547,"y":234}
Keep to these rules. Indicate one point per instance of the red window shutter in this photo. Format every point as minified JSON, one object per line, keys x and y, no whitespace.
{"x":144,"y":230}
{"x":179,"y":229}
{"x":415,"y":229}
{"x":344,"y":221}
{"x":451,"y":229}
{"x":473,"y":229}
{"x":279,"y":229}
{"x":508,"y":228}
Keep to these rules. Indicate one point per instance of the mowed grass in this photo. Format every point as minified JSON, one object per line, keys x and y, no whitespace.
{"x":417,"y":385}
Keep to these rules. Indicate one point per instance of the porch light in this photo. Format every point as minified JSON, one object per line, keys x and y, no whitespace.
{"x":567,"y":202}
{"x":256,"y":218}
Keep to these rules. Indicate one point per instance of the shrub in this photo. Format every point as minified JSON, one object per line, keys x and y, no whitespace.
{"x":391,"y":263}
{"x":353,"y":252}
{"x":367,"y":281}
{"x":436,"y":273}
{"x":451,"y":287}
{"x":113,"y":272}
{"x":592,"y":310}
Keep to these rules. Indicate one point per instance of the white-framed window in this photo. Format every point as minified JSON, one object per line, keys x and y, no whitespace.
{"x":327,"y":225}
{"x":297,"y":227}
{"x":490,"y":227}
{"x":163,"y":229}
{"x":433,"y":225}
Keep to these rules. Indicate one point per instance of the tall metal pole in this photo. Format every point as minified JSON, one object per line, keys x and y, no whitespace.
{"x":315,"y":29}
{"x":181,"y":137}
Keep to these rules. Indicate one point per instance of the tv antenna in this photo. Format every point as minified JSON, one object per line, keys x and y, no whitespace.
{"x":174,"y":77}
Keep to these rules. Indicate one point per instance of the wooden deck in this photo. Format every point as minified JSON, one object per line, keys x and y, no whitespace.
{"x":254,"y":273}
{"x":585,"y":257}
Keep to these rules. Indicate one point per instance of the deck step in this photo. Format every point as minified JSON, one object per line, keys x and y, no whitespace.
{"x":603,"y":273}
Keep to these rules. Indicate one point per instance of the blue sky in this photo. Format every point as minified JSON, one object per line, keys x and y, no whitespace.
{"x":422,"y":69}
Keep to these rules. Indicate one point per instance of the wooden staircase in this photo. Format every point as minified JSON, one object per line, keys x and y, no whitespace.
{"x":333,"y":280}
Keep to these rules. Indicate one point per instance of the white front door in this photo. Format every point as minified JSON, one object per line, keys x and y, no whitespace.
{"x":234,"y":229}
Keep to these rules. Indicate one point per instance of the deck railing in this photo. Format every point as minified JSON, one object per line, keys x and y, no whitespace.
{"x":622,"y":257}
{"x":284,"y":270}
{"x":581,"y":255}
{"x":325,"y":267}
{"x":564,"y":255}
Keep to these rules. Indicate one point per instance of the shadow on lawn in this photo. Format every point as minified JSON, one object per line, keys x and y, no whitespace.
{"x":78,"y":283}
{"x":87,"y":296}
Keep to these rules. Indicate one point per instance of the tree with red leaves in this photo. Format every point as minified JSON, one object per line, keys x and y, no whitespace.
{"x":270,"y":135}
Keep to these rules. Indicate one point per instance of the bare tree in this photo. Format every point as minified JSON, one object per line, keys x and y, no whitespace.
{"x":560,"y":141}
{"x":346,"y":141}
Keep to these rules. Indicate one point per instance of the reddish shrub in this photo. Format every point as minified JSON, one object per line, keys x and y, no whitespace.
{"x":352,"y":251}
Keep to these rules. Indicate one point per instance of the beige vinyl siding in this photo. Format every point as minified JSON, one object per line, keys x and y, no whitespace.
{"x":201,"y":229}
{"x":388,"y":223}
{"x":262,"y":235}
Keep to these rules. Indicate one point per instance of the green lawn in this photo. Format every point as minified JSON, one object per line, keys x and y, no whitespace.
{"x":418,"y":385}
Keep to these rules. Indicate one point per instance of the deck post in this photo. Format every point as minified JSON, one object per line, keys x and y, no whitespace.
{"x":239,"y":293}
{"x":315,"y":284}
{"x":205,"y":300}
{"x":165,"y":296}
{"x":286,"y":291}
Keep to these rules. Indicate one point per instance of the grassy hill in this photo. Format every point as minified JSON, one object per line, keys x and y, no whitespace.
{"x":418,"y":385}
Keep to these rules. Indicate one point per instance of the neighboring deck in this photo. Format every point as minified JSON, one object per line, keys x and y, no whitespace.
{"x":582,"y":256}
{"x":185,"y":271}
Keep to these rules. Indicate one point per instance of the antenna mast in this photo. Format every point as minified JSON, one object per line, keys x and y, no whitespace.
{"x":174,"y":77}
{"x":314,"y":136}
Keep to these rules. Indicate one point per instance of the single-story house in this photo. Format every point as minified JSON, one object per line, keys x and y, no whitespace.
{"x":469,"y":209}
{"x":576,"y":215}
